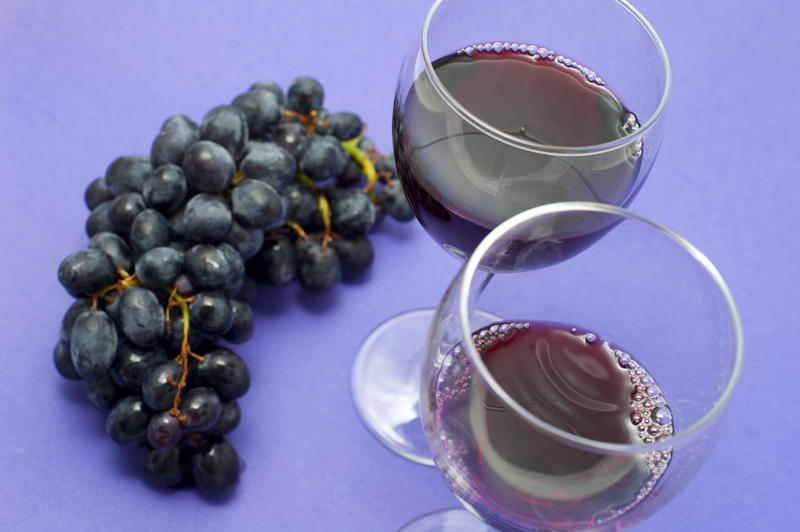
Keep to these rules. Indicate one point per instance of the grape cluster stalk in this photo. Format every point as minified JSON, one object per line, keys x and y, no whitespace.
{"x":272,"y":188}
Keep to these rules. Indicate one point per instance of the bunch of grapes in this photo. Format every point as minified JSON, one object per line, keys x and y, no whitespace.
{"x":272,"y":187}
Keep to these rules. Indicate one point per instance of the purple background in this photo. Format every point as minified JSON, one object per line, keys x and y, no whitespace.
{"x":83,"y":82}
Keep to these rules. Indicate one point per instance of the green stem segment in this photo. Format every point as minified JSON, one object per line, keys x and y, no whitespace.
{"x":366,"y":164}
{"x":303,"y":178}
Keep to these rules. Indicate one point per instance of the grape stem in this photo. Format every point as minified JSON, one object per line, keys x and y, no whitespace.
{"x":325,"y":210}
{"x":297,"y":229}
{"x":307,"y":181}
{"x":177,"y":300}
{"x":126,"y":280}
{"x":322,"y":205}
{"x":238,"y":177}
{"x":309,"y":120}
{"x":351,"y":146}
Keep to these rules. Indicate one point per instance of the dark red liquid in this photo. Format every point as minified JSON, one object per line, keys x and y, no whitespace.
{"x":462,"y":182}
{"x":513,"y":473}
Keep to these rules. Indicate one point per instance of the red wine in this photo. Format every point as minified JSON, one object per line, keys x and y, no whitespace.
{"x":462,"y":182}
{"x":508,"y":471}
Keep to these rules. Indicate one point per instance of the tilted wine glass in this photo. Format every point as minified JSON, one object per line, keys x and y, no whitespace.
{"x":568,"y":106}
{"x":597,"y":392}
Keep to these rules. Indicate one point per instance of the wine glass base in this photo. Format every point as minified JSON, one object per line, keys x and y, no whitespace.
{"x":386,"y":378}
{"x":452,"y":520}
{"x":385,"y":383}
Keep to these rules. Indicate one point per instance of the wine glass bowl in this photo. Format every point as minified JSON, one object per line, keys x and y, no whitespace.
{"x":599,"y":391}
{"x":484,"y":129}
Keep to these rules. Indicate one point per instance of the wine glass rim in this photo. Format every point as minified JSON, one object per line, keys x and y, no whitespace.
{"x":536,"y":147}
{"x":471,"y":266}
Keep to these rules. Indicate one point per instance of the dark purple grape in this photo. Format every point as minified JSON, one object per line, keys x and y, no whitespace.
{"x":211,"y":312}
{"x":380,"y":213}
{"x":96,"y":193}
{"x":177,"y":227}
{"x":127,"y":422}
{"x":227,"y":126}
{"x":262,"y":110}
{"x":165,"y":188}
{"x":247,"y":241}
{"x":355,"y":255}
{"x":103,"y":392}
{"x":177,"y":134}
{"x":115,"y":247}
{"x":226,"y":372}
{"x":304,"y":95}
{"x":208,"y":167}
{"x":322,"y":126}
{"x":111,"y":306}
{"x":97,"y":222}
{"x":228,"y":420}
{"x":166,"y":467}
{"x":353,"y":174}
{"x":394,"y":201}
{"x":232,"y":288}
{"x":318,"y":269}
{"x":345,"y":126}
{"x":207,"y":266}
{"x":133,"y":363}
{"x":249,"y":289}
{"x":141,"y":316}
{"x":174,"y":336}
{"x":93,"y":343}
{"x":78,"y":307}
{"x":256,"y":204}
{"x":366,"y":145}
{"x":386,"y":163}
{"x":270,"y":163}
{"x":63,"y":362}
{"x":302,"y":202}
{"x":352,"y":212}
{"x":127,"y":174}
{"x":159,"y":267}
{"x":123,"y":211}
{"x":323,"y":158}
{"x":292,"y":137}
{"x":206,"y":218}
{"x":200,"y":409}
{"x":276,"y":262}
{"x":234,"y":259}
{"x":164,"y":431}
{"x":242,"y":328}
{"x":270,"y":86}
{"x":215,"y":467}
{"x":86,"y":271}
{"x":159,"y":386}
{"x":184,"y":285}
{"x":149,"y":230}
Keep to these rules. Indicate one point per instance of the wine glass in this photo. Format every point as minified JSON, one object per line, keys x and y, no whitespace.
{"x":567,"y":106}
{"x":599,"y":390}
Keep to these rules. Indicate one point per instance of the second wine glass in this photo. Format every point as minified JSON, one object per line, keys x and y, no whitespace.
{"x":567,"y":106}
{"x":598,"y":391}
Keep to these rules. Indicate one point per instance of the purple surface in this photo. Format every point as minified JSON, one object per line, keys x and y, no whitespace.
{"x":84,"y":82}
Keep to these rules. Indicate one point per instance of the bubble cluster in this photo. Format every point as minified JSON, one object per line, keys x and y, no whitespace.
{"x":537,"y":53}
{"x":653,"y":419}
{"x":453,"y":383}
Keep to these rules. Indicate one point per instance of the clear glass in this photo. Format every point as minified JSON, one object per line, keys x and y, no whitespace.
{"x":466,"y":168}
{"x":464,"y":173}
{"x":550,"y":434}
